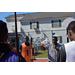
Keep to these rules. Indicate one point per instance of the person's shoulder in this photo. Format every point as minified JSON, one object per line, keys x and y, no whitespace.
{"x":22,"y":44}
{"x":59,"y":44}
{"x":69,"y":43}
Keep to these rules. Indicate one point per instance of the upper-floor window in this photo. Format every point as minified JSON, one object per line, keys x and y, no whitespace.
{"x":34,"y":25}
{"x":13,"y":28}
{"x":56,"y":23}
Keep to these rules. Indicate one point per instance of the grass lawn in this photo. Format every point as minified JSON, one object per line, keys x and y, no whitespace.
{"x":42,"y":54}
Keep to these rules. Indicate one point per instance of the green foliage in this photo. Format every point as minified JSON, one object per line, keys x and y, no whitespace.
{"x":42,"y":54}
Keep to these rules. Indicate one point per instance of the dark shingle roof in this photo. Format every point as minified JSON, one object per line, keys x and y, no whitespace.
{"x":41,"y":15}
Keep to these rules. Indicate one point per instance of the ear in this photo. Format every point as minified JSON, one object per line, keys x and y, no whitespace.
{"x":69,"y":32}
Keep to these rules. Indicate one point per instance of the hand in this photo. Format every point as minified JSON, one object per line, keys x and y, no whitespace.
{"x":56,"y":48}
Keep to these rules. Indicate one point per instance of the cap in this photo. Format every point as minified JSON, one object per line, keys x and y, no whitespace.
{"x":66,"y":22}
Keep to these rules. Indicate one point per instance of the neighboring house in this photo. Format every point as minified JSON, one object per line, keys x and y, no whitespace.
{"x":35,"y":25}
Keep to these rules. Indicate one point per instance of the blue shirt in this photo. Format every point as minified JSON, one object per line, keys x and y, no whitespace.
{"x":58,"y":46}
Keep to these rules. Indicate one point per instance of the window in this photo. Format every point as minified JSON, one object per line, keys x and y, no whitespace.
{"x":34,"y":25}
{"x":59,"y":39}
{"x":13,"y":28}
{"x":56,"y":23}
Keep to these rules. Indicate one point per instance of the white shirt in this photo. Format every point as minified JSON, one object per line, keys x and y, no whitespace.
{"x":70,"y":51}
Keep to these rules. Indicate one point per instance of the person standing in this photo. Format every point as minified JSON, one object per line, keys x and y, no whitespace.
{"x":6,"y":55}
{"x":53,"y":51}
{"x":25,"y":49}
{"x":67,"y":51}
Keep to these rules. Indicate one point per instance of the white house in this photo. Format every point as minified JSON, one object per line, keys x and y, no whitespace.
{"x":35,"y":25}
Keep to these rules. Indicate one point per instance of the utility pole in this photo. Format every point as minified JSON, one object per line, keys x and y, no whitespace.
{"x":16,"y":32}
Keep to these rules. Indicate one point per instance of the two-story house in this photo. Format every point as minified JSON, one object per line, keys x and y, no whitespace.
{"x":41,"y":25}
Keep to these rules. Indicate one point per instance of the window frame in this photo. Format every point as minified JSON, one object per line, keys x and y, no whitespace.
{"x":59,"y":22}
{"x":37,"y":27}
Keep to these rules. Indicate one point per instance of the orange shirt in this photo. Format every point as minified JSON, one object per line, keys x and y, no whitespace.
{"x":26,"y":52}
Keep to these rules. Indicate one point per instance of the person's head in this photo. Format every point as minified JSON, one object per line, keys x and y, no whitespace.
{"x":54,"y":40}
{"x":26,"y":39}
{"x":3,"y":32}
{"x":71,"y":30}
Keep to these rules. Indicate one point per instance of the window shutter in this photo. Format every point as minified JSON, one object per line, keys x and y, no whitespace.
{"x":30,"y":25}
{"x":52,"y":24}
{"x":59,"y":23}
{"x":60,"y":39}
{"x":37,"y":24}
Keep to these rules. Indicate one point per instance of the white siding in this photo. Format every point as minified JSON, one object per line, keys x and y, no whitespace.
{"x":10,"y":24}
{"x":45,"y":24}
{"x":44,"y":27}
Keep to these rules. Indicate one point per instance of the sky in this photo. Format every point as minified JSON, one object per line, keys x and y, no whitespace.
{"x":5,"y":14}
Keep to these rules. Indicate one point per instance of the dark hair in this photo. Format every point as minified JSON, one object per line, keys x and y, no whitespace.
{"x":27,"y":37}
{"x":54,"y":37}
{"x":3,"y":30}
{"x":71,"y":26}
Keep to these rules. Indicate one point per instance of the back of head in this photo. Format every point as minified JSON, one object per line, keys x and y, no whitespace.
{"x":71,"y":26}
{"x":3,"y":31}
{"x":54,"y":37}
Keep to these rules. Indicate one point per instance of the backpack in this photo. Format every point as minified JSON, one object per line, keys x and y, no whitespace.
{"x":62,"y":54}
{"x":10,"y":57}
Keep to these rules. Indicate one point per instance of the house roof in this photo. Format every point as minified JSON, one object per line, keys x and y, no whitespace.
{"x":41,"y":15}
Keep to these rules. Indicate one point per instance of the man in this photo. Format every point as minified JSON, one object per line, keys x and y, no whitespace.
{"x":6,"y":55}
{"x":25,"y":49}
{"x":67,"y":51}
{"x":53,"y":52}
